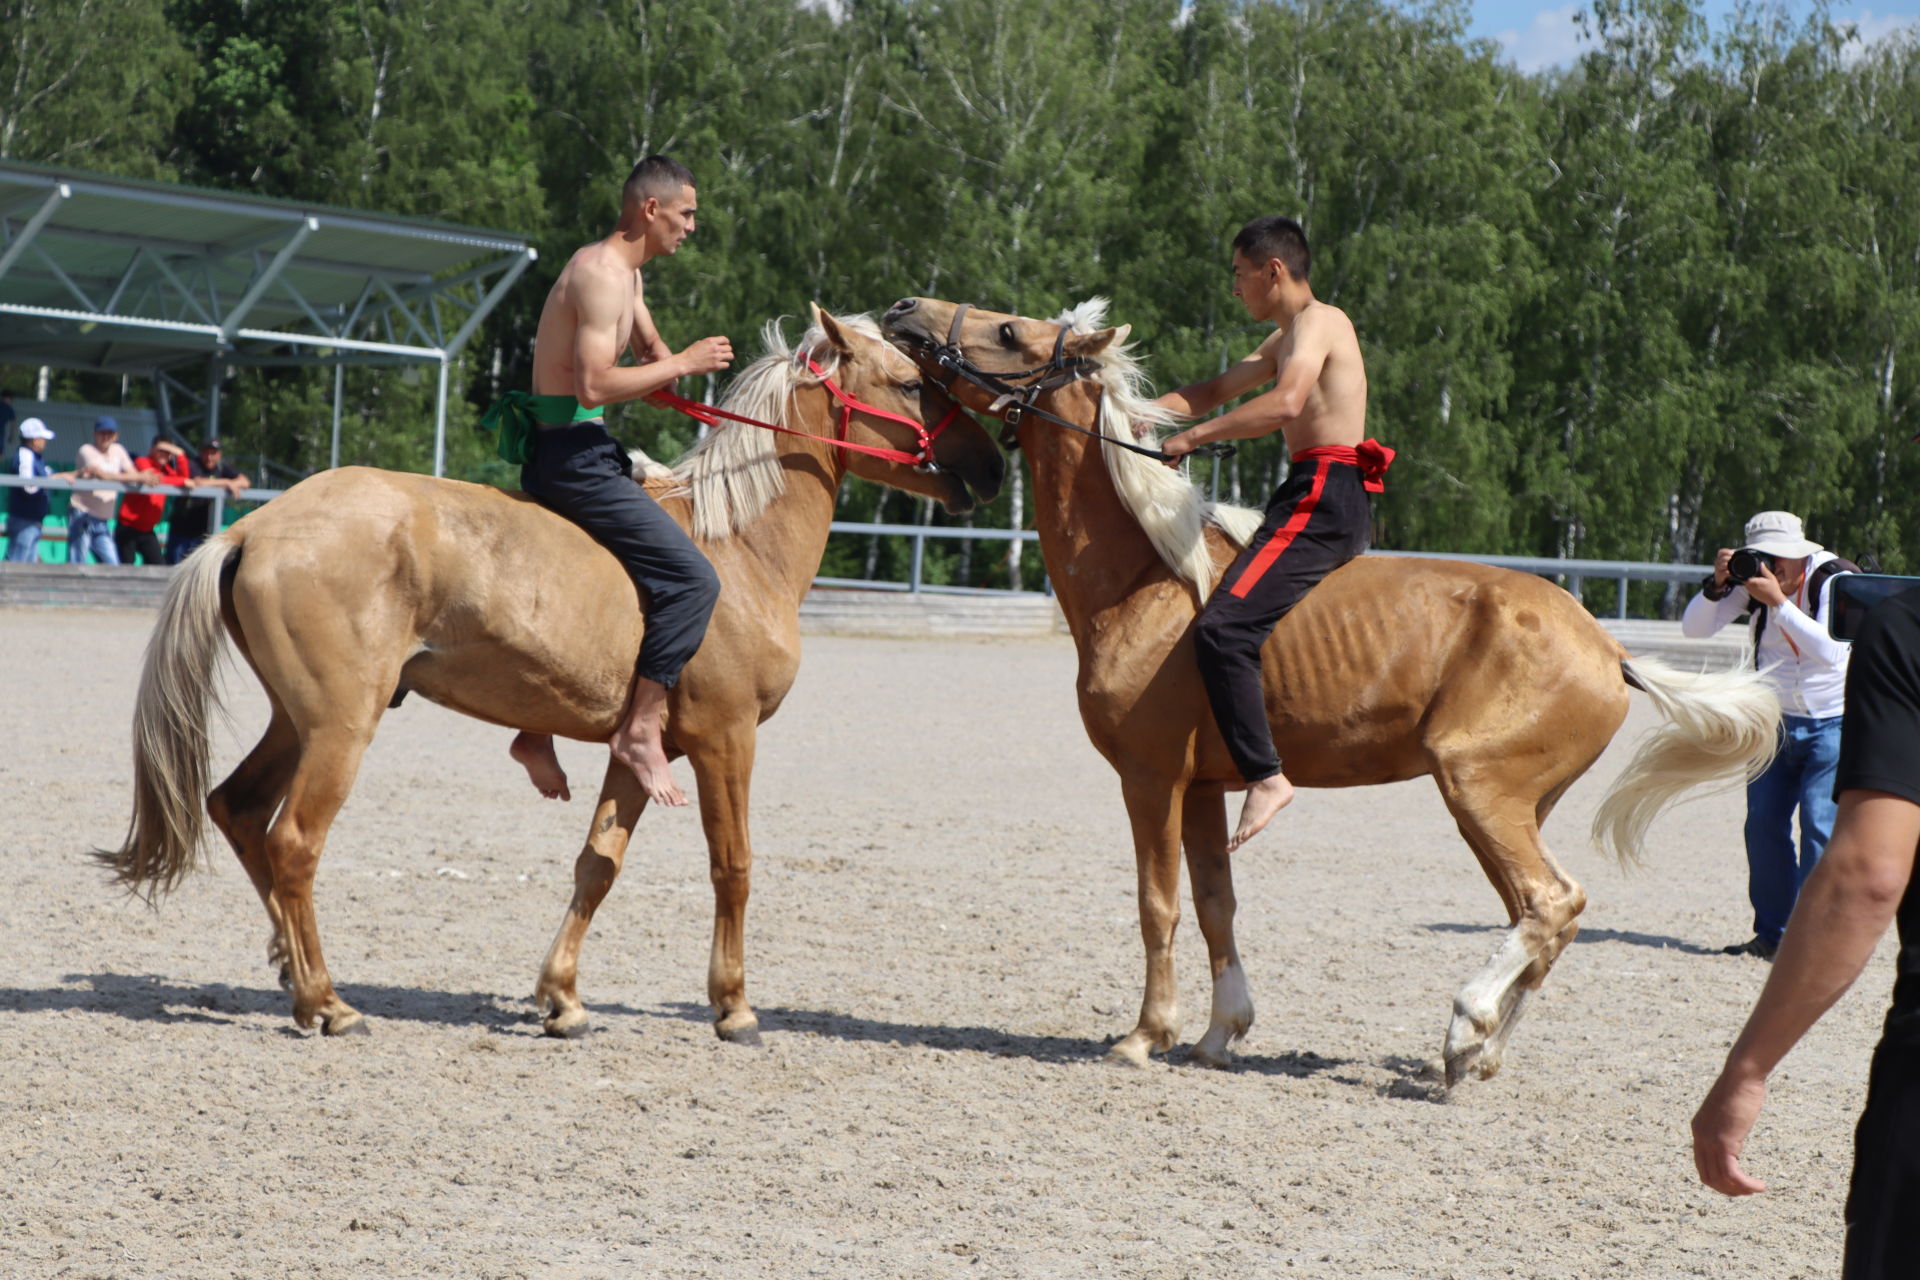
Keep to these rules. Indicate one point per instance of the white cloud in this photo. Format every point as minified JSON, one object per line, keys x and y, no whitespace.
{"x":1875,"y":27}
{"x":1550,"y":40}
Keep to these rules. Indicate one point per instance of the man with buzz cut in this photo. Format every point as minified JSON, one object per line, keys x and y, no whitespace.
{"x":596,"y":311}
{"x":1321,"y":515}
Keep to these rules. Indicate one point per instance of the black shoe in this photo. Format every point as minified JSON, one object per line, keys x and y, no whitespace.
{"x":1751,"y":947}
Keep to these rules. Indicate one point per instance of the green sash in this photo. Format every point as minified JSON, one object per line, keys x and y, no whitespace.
{"x":517,"y":414}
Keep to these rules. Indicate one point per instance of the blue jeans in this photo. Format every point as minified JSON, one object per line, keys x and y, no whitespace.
{"x":90,"y":533}
{"x":1800,"y":777}
{"x":23,"y":540}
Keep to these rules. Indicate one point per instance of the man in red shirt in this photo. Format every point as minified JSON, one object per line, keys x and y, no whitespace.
{"x":140,"y":512}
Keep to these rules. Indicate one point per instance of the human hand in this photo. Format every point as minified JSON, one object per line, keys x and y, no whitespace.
{"x":1720,"y":1129}
{"x":1765,"y":588}
{"x":1176,"y":447}
{"x":709,"y":355}
{"x":1720,"y":562}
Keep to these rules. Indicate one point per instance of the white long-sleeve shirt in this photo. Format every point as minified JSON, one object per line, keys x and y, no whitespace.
{"x":26,"y":464}
{"x":1807,"y":667}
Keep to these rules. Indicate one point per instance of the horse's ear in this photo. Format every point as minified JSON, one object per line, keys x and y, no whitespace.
{"x":1092,"y":344}
{"x":831,"y":327}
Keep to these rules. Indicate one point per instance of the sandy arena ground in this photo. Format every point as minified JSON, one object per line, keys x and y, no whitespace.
{"x":942,"y":940}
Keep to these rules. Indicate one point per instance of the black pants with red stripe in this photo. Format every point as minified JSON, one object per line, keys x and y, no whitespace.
{"x":1318,"y":520}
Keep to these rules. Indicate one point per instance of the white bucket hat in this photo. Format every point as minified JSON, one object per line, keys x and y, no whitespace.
{"x":1778,"y":533}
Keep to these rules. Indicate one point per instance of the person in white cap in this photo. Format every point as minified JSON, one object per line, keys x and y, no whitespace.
{"x":27,"y":505}
{"x":1783,"y":582}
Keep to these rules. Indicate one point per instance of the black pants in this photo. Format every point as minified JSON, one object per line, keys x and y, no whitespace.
{"x":1883,"y":1232}
{"x":144,"y":541}
{"x":579,"y":472}
{"x":1318,"y":520}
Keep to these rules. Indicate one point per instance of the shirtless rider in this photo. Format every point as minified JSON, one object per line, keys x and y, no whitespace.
{"x":1320,"y":516}
{"x":572,"y":466}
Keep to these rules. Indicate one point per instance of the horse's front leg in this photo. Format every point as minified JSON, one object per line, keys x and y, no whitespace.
{"x":1203,"y":830}
{"x":621,"y":801}
{"x":723,"y":768}
{"x":1153,"y":809}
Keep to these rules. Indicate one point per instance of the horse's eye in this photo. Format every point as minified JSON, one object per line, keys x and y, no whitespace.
{"x":1006,"y":334}
{"x":911,"y":388}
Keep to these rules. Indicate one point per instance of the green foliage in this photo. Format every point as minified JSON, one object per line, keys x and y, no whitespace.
{"x":1607,"y":312}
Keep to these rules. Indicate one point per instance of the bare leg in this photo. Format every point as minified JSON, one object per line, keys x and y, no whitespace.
{"x":1265,"y":798}
{"x":640,"y":745}
{"x":534,"y":752}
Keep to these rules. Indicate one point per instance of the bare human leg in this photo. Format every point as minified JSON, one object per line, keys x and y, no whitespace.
{"x":1265,"y":798}
{"x":534,"y":752}
{"x":640,"y":744}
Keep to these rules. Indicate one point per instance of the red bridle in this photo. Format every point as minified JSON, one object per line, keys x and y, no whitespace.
{"x":849,"y":405}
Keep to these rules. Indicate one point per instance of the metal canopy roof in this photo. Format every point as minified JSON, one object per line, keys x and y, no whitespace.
{"x":123,"y":276}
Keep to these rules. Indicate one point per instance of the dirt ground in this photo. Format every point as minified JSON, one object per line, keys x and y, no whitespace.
{"x":942,"y":940}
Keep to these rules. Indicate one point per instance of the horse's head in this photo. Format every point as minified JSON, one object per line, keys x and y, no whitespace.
{"x":988,"y":360}
{"x":970,"y":469}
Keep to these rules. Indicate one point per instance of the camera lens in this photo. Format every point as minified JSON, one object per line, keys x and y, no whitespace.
{"x":1746,"y":562}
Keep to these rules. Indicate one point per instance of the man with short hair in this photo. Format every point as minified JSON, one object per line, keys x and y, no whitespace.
{"x":597,"y":310}
{"x":91,"y":509}
{"x":28,"y":505}
{"x":1787,"y":605}
{"x":165,"y":463}
{"x":1318,"y":519}
{"x":1864,"y":881}
{"x":192,"y":518}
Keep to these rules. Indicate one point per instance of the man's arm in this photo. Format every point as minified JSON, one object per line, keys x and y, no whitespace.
{"x":1271,"y":410}
{"x":647,"y":345}
{"x":600,"y":301}
{"x":1200,"y":398}
{"x":1846,"y":905}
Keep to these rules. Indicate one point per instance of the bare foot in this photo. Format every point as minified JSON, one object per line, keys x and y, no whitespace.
{"x":534,"y":751}
{"x":1264,"y":799}
{"x":644,"y":754}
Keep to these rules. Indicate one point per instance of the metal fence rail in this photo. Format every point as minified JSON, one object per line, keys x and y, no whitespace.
{"x":1572,"y":573}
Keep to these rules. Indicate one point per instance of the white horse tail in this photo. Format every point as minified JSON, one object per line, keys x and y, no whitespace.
{"x":1722,"y":727}
{"x":178,"y":690}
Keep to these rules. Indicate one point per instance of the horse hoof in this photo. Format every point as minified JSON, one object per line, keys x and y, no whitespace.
{"x":570,"y":1025}
{"x":1130,"y":1052}
{"x":345,"y":1024}
{"x":747,"y":1034}
{"x":1201,"y":1056}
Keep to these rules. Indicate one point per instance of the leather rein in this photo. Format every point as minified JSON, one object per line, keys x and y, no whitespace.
{"x":1015,"y":404}
{"x":921,"y":459}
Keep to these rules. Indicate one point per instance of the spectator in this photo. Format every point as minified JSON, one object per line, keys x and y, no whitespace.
{"x":192,"y":516}
{"x":1785,"y":591}
{"x":27,"y":506}
{"x":6,"y":413}
{"x":1865,"y":881}
{"x":166,"y":463}
{"x":88,"y":517}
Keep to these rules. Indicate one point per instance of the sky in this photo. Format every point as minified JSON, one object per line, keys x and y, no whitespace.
{"x":1541,"y":33}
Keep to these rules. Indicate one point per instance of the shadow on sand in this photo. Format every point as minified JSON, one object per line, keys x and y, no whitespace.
{"x":1658,"y":941}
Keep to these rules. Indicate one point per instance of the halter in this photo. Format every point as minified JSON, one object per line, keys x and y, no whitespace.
{"x":1014,"y":404}
{"x":921,"y":460}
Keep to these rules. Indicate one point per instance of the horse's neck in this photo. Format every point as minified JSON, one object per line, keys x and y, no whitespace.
{"x":789,"y":538}
{"x":1095,"y":550}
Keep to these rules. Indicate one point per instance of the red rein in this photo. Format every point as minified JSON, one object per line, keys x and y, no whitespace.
{"x":712,"y":415}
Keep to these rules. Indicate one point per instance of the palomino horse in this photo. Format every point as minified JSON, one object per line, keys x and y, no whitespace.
{"x":358,"y":586}
{"x":1497,"y":683}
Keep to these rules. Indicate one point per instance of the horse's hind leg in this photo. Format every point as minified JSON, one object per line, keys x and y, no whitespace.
{"x":1203,"y":830}
{"x":243,"y":807}
{"x":1542,"y":902}
{"x":594,"y":871}
{"x":294,"y":843}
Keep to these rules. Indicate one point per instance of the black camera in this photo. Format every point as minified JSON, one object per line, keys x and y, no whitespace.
{"x":1746,"y":562}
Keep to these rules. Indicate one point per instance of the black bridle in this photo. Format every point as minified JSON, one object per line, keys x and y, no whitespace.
{"x":1015,"y":403}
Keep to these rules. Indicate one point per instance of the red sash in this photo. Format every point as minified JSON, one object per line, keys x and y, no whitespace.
{"x":1372,"y":457}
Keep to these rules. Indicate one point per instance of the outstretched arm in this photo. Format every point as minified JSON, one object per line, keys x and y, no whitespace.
{"x":1293,"y":383}
{"x":1846,"y":905}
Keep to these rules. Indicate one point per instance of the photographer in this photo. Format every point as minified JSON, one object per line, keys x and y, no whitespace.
{"x":1865,"y":881}
{"x":1783,"y":582}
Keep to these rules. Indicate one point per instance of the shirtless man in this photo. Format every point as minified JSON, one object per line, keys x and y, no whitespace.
{"x":1320,"y":516}
{"x":572,"y":466}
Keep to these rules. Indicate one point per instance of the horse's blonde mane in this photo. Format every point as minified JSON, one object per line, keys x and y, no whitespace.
{"x":734,"y":474}
{"x":1169,"y":508}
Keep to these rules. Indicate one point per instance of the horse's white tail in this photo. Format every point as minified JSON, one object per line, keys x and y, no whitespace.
{"x":178,"y":691}
{"x":1722,"y":727}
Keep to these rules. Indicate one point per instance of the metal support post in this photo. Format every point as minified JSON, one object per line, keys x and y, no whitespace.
{"x":339,"y":386}
{"x":440,"y":422}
